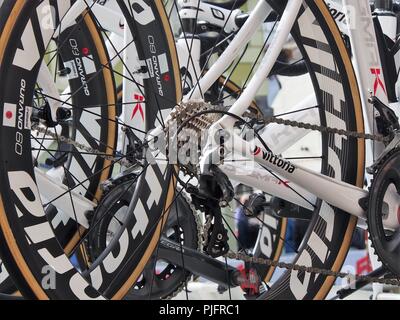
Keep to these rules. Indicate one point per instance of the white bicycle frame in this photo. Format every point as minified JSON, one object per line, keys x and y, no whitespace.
{"x":336,"y":193}
{"x":312,"y":184}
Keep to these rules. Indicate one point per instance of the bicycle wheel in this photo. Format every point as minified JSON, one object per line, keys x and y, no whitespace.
{"x":22,"y":19}
{"x":327,"y":240}
{"x":327,"y":247}
{"x":95,"y":127}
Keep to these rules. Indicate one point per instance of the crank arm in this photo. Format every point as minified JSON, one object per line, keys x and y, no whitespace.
{"x":198,"y":263}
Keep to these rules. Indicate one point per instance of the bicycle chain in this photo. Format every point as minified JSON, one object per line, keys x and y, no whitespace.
{"x":77,"y":145}
{"x":264,"y":121}
{"x":311,"y":270}
{"x":187,"y":110}
{"x":322,"y":129}
{"x":295,"y":267}
{"x":199,"y":228}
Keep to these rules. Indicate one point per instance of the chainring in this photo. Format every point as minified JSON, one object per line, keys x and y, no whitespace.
{"x":160,"y":279}
{"x":384,"y":206}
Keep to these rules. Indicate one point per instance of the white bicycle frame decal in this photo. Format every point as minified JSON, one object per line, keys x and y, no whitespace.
{"x":311,"y":184}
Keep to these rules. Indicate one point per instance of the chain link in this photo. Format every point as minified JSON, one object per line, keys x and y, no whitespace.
{"x":322,"y":129}
{"x":61,"y":139}
{"x":295,"y":267}
{"x":312,"y":270}
{"x":189,"y":109}
{"x":199,"y":228}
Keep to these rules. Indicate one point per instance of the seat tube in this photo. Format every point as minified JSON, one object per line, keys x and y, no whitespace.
{"x":367,"y":60}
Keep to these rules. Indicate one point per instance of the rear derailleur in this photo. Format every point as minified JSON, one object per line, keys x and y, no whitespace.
{"x":213,"y":192}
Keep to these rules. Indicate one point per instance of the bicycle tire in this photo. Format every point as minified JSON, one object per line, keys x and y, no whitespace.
{"x":329,"y":235}
{"x":88,"y":37}
{"x":70,"y":284}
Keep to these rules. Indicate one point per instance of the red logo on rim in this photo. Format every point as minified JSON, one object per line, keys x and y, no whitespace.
{"x":9,"y":115}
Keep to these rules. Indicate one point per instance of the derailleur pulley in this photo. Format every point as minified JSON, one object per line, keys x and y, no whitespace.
{"x":214,"y":191}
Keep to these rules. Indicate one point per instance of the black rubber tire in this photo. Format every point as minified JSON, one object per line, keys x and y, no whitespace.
{"x":330,"y":231}
{"x":88,"y":36}
{"x":23,"y":257}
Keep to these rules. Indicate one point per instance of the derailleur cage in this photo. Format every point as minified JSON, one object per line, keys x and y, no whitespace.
{"x":216,"y":239}
{"x":214,"y":191}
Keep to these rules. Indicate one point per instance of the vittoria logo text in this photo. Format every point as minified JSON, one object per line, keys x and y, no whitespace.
{"x":275,"y":160}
